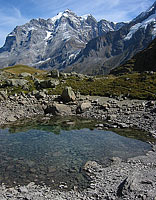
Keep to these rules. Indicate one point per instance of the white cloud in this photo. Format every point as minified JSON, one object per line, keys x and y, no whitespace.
{"x":10,"y":18}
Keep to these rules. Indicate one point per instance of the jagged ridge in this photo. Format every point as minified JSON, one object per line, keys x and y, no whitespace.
{"x":104,"y":53}
{"x":54,"y":42}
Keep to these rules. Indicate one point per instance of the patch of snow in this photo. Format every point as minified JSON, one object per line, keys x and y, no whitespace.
{"x":66,"y":35}
{"x":84,"y":17}
{"x":154,"y":32}
{"x":133,"y":29}
{"x":143,"y":24}
{"x":71,"y":56}
{"x":31,"y":28}
{"x":68,"y":10}
{"x":58,"y":16}
{"x":48,"y":35}
{"x":65,"y":15}
{"x":151,"y":8}
{"x":40,"y":62}
{"x":10,"y":35}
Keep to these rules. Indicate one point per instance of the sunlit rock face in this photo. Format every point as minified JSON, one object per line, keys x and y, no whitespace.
{"x":103,"y":53}
{"x":54,"y":42}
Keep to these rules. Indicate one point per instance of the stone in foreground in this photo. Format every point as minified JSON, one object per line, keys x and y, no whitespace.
{"x":68,"y":95}
{"x":58,"y":109}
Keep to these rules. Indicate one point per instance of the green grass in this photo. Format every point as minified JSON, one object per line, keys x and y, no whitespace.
{"x":135,"y":86}
{"x":18,"y":69}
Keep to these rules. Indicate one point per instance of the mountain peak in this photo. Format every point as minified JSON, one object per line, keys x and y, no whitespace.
{"x":86,"y":16}
{"x":151,"y":8}
{"x":65,"y":13}
{"x":68,"y":11}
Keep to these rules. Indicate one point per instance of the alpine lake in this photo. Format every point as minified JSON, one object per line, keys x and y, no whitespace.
{"x":53,"y":151}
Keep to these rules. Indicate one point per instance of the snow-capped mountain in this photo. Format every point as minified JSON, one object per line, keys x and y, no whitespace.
{"x":106,"y":52}
{"x":144,"y":20}
{"x":54,"y":42}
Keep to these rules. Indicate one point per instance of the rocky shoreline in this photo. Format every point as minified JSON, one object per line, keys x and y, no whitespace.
{"x":134,"y":179}
{"x":121,"y":113}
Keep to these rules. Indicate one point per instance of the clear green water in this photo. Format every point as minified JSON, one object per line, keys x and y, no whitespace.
{"x":55,"y":151}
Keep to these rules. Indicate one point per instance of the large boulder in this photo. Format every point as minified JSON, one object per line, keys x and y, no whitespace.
{"x":68,"y":95}
{"x":10,"y":118}
{"x":55,"y":73}
{"x":42,"y":84}
{"x":16,"y":82}
{"x":58,"y":109}
{"x":82,"y":107}
{"x":40,"y":95}
{"x":25,"y":74}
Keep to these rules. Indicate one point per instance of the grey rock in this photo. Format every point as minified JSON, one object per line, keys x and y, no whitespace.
{"x":91,"y":166}
{"x":42,"y":84}
{"x":111,"y":117}
{"x":3,"y":95}
{"x":123,"y":125}
{"x":11,"y":118}
{"x":63,"y":75}
{"x":23,"y":189}
{"x":24,"y":74}
{"x":58,"y":109}
{"x":129,"y":184}
{"x":83,"y":107}
{"x":55,"y":73}
{"x":105,"y":107}
{"x":40,"y":95}
{"x":16,"y":82}
{"x":68,"y":95}
{"x":116,"y":161}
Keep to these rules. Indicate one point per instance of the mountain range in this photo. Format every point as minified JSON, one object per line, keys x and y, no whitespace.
{"x":72,"y":43}
{"x":113,"y":49}
{"x":53,"y":42}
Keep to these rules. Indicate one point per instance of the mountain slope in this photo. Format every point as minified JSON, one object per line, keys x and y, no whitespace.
{"x":142,"y":61}
{"x":54,"y":42}
{"x":104,"y":53}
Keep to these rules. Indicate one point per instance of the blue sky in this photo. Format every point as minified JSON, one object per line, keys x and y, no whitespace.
{"x":18,"y":12}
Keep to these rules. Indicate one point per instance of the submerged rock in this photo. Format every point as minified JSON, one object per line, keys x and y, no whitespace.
{"x":91,"y":166}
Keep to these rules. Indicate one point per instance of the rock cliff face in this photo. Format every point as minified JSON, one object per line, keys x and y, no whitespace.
{"x":54,"y":42}
{"x":142,"y":61}
{"x":103,"y":53}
